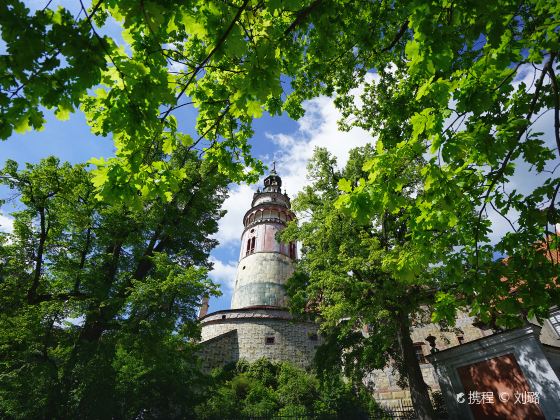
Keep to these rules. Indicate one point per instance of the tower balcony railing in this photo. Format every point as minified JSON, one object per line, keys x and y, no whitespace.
{"x":266,"y":220}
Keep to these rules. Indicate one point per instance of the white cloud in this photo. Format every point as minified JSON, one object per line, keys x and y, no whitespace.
{"x":6,"y":223}
{"x":223,"y":273}
{"x":231,"y":225}
{"x":318,"y":128}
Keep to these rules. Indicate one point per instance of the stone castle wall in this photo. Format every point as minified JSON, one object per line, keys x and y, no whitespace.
{"x":384,"y":382}
{"x":228,"y":336}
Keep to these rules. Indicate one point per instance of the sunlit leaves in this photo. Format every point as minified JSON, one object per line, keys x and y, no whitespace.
{"x":99,"y":300}
{"x":439,"y":83}
{"x":52,"y":60}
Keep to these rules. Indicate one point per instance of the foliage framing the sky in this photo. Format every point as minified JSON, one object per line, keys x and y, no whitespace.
{"x":445,"y":89}
{"x":98,"y":302}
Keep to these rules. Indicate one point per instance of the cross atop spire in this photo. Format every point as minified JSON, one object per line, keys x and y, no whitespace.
{"x":273,"y":167}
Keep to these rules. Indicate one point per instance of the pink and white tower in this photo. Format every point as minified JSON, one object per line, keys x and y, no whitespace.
{"x":258,"y":323}
{"x":265,"y":264}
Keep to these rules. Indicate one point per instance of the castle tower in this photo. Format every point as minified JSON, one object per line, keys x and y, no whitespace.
{"x":258,"y":323}
{"x":265,"y":264}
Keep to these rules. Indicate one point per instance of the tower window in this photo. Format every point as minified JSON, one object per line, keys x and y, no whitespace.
{"x":555,"y":321}
{"x":269,"y":340}
{"x":292,"y":249}
{"x":313,"y":336}
{"x":251,"y":245}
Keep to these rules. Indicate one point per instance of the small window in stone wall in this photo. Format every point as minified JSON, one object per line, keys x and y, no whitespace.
{"x":269,"y":340}
{"x":419,"y":350}
{"x":555,"y":321}
{"x":313,"y":336}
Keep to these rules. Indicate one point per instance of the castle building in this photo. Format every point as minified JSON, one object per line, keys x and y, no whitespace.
{"x":258,"y":323}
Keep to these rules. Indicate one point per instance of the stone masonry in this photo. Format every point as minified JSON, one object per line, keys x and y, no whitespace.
{"x":258,"y":280}
{"x":263,"y":332}
{"x":384,"y":382}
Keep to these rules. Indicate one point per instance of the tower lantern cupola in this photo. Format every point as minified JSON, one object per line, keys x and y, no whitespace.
{"x":273,"y":183}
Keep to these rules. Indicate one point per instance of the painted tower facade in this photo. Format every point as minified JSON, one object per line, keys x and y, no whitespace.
{"x":264,"y":263}
{"x":258,"y":324}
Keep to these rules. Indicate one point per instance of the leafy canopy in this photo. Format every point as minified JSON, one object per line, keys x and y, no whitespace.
{"x":98,"y":301}
{"x":439,"y":80}
{"x":357,"y":279}
{"x":266,"y":389}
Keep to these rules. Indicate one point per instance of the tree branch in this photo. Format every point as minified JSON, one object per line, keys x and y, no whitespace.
{"x":498,"y":174}
{"x":301,"y":16}
{"x":556,"y":97}
{"x":397,"y":37}
{"x":32,"y":292}
{"x":209,"y":56}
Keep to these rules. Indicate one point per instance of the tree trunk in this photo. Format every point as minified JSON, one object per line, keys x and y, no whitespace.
{"x":418,"y":388}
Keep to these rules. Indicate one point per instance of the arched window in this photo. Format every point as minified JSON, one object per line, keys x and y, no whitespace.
{"x":292,"y":250}
{"x":251,"y":245}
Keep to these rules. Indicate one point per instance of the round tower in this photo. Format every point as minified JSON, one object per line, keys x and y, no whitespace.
{"x":258,"y":323}
{"x":265,"y":264}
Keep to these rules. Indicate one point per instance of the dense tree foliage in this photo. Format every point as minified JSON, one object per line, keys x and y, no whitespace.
{"x":264,"y":389}
{"x":345,"y":277}
{"x":98,"y":302}
{"x":441,"y":80}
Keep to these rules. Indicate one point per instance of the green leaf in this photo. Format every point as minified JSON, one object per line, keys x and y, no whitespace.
{"x":63,"y":112}
{"x":22,"y":125}
{"x":345,"y":185}
{"x":254,"y":109}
